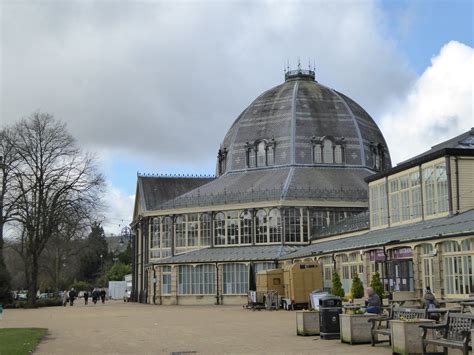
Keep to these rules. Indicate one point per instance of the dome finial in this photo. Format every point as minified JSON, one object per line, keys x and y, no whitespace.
{"x":305,"y":74}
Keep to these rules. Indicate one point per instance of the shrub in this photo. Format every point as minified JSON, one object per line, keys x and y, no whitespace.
{"x":337,"y":289}
{"x":80,"y":286}
{"x":47,"y":302}
{"x":357,"y":289}
{"x":376,"y":284}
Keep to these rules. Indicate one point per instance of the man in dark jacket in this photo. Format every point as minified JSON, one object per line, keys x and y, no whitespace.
{"x":102,"y":295}
{"x":72,"y":296}
{"x":86,"y":297}
{"x":373,"y":303}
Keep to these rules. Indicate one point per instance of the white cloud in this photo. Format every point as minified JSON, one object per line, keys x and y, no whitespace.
{"x":437,"y":107}
{"x":167,"y":79}
{"x":119,"y":209}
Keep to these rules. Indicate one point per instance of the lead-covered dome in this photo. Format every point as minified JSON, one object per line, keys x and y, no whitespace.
{"x":303,"y":123}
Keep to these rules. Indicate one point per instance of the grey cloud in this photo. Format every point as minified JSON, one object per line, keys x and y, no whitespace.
{"x":167,"y":79}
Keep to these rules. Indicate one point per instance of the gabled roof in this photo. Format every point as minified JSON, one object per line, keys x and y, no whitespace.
{"x":221,"y":254}
{"x":153,"y":191}
{"x":456,"y":225}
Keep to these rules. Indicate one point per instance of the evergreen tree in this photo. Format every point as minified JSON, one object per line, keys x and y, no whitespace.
{"x":91,"y":264}
{"x":376,"y":284}
{"x":337,"y":289}
{"x":357,"y":289}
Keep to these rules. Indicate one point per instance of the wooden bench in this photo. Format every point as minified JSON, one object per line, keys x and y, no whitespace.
{"x":455,"y":333}
{"x":381,"y":325}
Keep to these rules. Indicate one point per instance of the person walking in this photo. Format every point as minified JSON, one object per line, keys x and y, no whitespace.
{"x":86,"y":297}
{"x":65,"y":298}
{"x":72,"y":296}
{"x":374,"y":302}
{"x":102,"y":295}
{"x":95,"y":295}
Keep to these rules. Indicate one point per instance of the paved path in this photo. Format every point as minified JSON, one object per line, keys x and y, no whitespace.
{"x":120,"y":328}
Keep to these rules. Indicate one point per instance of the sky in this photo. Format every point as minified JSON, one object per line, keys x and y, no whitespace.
{"x":153,"y":86}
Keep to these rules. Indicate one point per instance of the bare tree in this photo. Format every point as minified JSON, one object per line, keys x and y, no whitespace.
{"x":53,"y":180}
{"x":8,"y":198}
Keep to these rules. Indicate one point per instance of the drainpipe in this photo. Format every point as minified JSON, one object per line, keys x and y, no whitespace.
{"x":177,"y":282}
{"x":385,"y":276}
{"x":154,"y":285}
{"x":456,"y":162}
{"x":217,"y":285}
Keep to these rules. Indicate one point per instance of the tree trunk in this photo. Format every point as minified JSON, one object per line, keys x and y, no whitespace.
{"x":5,"y":295}
{"x":33,"y":284}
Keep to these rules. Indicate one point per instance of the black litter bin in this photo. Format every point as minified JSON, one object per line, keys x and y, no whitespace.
{"x":330,"y":307}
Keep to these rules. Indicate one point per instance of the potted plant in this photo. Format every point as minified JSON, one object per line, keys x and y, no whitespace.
{"x":337,"y":289}
{"x":376,"y":284}
{"x":406,"y":335}
{"x":307,"y":322}
{"x":355,"y":327}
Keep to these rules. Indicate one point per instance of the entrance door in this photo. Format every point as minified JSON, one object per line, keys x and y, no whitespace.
{"x":400,"y":275}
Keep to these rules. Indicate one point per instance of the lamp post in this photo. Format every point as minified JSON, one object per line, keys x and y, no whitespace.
{"x":125,"y":233}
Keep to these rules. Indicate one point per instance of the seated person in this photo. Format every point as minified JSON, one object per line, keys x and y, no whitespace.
{"x":430,"y":302}
{"x":374,"y":302}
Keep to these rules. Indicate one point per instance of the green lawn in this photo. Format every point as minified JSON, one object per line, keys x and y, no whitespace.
{"x":19,"y":341}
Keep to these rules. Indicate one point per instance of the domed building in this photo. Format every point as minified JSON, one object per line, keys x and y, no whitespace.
{"x":292,"y":163}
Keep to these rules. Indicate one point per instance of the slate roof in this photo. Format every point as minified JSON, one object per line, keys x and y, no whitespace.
{"x":156,"y":190}
{"x":463,"y":141}
{"x":353,"y":223}
{"x":220,"y":254}
{"x":278,"y":183}
{"x":462,"y":145}
{"x":436,"y":228}
{"x":294,"y":112}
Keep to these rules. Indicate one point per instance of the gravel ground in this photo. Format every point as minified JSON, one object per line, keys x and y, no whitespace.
{"x":127,"y":328}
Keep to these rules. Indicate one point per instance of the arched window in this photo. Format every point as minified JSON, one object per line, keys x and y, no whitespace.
{"x":458,"y":261}
{"x":246,"y":227}
{"x":232,"y":223}
{"x":219,"y":229}
{"x":206,"y":226}
{"x":338,"y":154}
{"x":180,"y":229}
{"x":251,"y":158}
{"x":270,"y":155}
{"x":328,"y":151}
{"x":317,"y":153}
{"x":166,"y":237}
{"x":377,"y":156}
{"x":292,"y":220}
{"x":261,"y":227}
{"x":222,"y":160}
{"x":274,"y":225}
{"x":261,"y":154}
{"x":155,"y":236}
{"x":192,"y":230}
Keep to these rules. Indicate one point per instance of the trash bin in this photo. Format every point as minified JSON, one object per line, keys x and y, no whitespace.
{"x":330,"y":307}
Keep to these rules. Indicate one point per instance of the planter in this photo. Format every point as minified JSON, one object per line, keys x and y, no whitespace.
{"x":355,"y":328}
{"x":307,"y":323}
{"x":406,"y":335}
